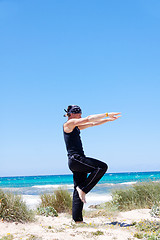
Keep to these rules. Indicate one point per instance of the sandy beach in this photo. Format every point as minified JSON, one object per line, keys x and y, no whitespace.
{"x":62,"y":227}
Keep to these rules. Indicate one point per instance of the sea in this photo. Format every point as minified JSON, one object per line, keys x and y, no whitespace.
{"x":32,"y":187}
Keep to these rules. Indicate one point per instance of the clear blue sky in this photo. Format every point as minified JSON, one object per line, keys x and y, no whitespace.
{"x":102,"y":55}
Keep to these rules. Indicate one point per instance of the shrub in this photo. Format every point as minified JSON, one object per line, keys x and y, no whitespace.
{"x":149,"y":230}
{"x":97,"y":233}
{"x":12,"y":208}
{"x":34,"y":237}
{"x":47,"y":211}
{"x":138,"y":235}
{"x":141,"y":195}
{"x":155,"y":211}
{"x":8,"y":237}
{"x":61,"y":200}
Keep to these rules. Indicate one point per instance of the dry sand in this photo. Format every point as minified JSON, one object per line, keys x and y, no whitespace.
{"x":63,"y":228}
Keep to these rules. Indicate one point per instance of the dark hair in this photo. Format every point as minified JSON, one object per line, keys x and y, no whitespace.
{"x":68,"y":110}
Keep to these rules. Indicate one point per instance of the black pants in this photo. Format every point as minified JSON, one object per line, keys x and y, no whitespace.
{"x":81,"y":166}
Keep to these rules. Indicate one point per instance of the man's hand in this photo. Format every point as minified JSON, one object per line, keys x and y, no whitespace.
{"x":114,"y":118}
{"x":112,"y":114}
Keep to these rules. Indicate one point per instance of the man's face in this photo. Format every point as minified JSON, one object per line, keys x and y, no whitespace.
{"x":76,"y":115}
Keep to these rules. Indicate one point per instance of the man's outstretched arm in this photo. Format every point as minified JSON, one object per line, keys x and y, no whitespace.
{"x":99,"y":122}
{"x":86,"y":122}
{"x":96,"y":117}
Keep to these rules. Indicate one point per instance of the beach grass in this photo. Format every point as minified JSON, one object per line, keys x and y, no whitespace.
{"x":12,"y":208}
{"x":140,"y":195}
{"x":61,"y":200}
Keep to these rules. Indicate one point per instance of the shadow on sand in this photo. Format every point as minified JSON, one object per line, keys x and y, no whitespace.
{"x":120,"y":224}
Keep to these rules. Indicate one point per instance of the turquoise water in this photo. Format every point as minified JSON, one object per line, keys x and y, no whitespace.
{"x":35,"y":185}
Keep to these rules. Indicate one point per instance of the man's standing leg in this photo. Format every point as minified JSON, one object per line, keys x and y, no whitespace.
{"x":77,"y":205}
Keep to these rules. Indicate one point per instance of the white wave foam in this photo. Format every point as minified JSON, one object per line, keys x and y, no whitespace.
{"x":32,"y":201}
{"x":67,"y":186}
{"x":128,"y":183}
{"x":105,"y":184}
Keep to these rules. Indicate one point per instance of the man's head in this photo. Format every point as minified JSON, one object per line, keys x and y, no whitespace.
{"x":73,"y":111}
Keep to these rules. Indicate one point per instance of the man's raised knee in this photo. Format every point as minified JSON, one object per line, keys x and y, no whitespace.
{"x":105,"y":167}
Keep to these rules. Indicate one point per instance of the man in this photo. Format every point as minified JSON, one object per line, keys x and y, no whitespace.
{"x":78,"y":163}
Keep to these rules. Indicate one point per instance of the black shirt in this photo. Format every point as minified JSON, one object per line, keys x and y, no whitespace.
{"x":73,"y":142}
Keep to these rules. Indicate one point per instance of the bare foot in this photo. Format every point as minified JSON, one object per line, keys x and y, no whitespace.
{"x":81,"y":194}
{"x":80,"y":222}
